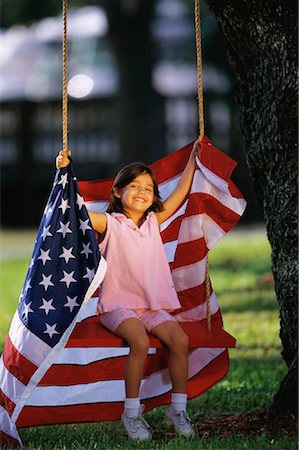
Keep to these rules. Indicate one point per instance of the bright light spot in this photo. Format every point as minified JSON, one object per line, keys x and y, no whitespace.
{"x":80,"y":86}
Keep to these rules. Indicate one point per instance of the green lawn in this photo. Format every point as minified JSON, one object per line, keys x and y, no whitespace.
{"x":240,"y":273}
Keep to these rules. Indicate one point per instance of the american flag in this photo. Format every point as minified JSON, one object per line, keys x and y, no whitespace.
{"x":65,"y":269}
{"x":85,"y":383}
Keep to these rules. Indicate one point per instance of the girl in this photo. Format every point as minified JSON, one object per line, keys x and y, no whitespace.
{"x":137,"y":294}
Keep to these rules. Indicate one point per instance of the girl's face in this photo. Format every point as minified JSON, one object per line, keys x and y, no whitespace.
{"x":138,"y":195}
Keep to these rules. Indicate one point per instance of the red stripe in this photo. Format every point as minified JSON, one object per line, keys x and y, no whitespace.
{"x":7,"y":440}
{"x":7,"y":404}
{"x":189,"y":253}
{"x":171,"y":232}
{"x":215,"y":160}
{"x":19,"y":366}
{"x":171,"y":165}
{"x":96,"y":190}
{"x":108,"y":369}
{"x":100,"y":412}
{"x":192,"y":297}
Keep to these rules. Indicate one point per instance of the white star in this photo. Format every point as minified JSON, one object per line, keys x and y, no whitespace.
{"x":84,"y":226}
{"x":50,"y":330}
{"x":46,"y":232}
{"x":63,"y":180}
{"x":80,"y":201}
{"x":89,"y":274}
{"x":47,"y":305}
{"x":44,"y":256}
{"x":68,"y":278}
{"x":32,"y":263}
{"x":71,"y":303}
{"x":67,"y":254}
{"x":64,"y":205}
{"x":46,"y":281}
{"x":27,"y":309}
{"x":64,"y":228}
{"x":86,"y":250}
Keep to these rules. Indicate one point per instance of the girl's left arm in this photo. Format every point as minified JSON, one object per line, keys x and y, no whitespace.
{"x":176,"y":198}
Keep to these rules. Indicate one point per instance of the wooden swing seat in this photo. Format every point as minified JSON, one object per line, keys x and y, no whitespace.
{"x":90,"y":333}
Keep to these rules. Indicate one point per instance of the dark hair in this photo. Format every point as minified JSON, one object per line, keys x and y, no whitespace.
{"x":124,"y":177}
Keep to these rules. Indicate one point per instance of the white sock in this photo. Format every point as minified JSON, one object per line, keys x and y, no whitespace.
{"x":132,"y":406}
{"x":178,"y":402}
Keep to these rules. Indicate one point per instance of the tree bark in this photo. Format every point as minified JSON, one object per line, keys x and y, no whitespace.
{"x":261,"y":39}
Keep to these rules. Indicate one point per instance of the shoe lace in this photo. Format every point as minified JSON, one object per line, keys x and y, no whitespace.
{"x":140,"y":422}
{"x":182,"y":418}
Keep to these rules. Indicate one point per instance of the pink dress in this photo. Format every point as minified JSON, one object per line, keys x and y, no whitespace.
{"x":138,"y":275}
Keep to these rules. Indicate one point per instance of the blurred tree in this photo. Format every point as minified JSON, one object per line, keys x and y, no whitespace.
{"x":140,"y":108}
{"x":261,"y":39}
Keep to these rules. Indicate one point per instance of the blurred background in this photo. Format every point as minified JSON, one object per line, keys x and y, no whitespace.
{"x":132,"y":94}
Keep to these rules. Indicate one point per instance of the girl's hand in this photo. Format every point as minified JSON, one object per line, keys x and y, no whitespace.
{"x":62,"y":160}
{"x":195,"y":147}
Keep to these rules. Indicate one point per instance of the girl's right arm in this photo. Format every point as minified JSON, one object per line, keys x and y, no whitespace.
{"x":98,"y":220}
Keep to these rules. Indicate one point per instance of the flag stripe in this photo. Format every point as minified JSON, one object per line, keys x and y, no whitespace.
{"x":6,"y":403}
{"x":94,"y":412}
{"x":16,"y":363}
{"x":113,"y":390}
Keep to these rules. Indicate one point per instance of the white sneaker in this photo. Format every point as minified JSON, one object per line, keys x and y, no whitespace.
{"x":137,"y":428}
{"x":181,"y":422}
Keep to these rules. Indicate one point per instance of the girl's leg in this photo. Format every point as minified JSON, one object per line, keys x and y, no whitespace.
{"x":172,"y":335}
{"x":178,"y":343}
{"x":132,"y":331}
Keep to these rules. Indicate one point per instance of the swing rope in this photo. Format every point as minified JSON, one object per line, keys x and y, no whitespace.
{"x":200,"y":109}
{"x":201,"y":132}
{"x":64,"y":79}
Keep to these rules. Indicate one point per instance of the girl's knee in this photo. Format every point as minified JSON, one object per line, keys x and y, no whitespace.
{"x":140,"y":345}
{"x":180,"y":343}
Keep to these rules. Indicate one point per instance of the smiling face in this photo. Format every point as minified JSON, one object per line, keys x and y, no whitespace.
{"x":137,"y":196}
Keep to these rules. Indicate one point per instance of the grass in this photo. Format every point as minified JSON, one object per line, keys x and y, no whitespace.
{"x":239,"y":267}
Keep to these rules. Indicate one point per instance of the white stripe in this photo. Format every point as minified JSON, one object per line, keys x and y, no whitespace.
{"x":29,"y":345}
{"x":10,"y":385}
{"x":191,"y":229}
{"x":199,"y":312}
{"x":187,"y":277}
{"x":84,"y":356}
{"x":7,"y":426}
{"x":114,"y":390}
{"x":211,"y":231}
{"x":179,"y":212}
{"x":167,"y":187}
{"x":99,"y":206}
{"x":170,"y":248}
{"x":207,"y":182}
{"x":89,"y":309}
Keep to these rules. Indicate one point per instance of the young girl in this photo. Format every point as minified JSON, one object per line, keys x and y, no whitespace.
{"x":137,"y":294}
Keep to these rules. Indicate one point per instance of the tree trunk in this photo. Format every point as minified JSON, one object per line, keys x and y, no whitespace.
{"x":261,"y":39}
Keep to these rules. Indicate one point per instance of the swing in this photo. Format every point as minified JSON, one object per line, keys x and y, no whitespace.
{"x":88,"y":374}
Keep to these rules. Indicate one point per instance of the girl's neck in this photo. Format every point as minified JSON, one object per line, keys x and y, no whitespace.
{"x":138,"y":219}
